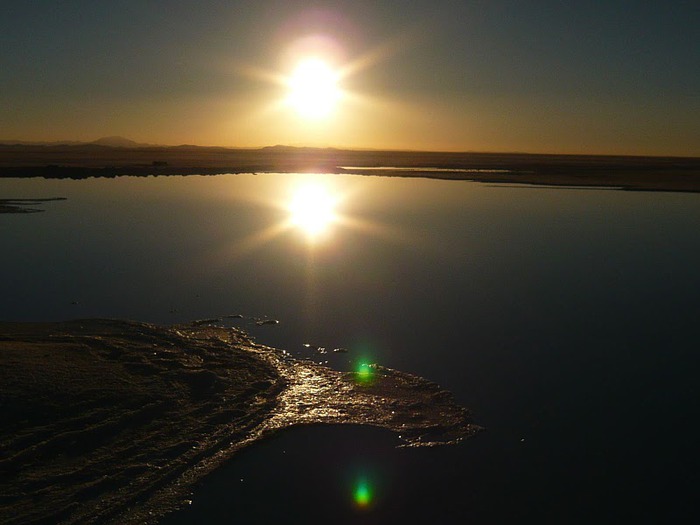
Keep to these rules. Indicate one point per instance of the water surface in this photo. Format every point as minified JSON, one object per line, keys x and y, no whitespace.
{"x":566,"y":320}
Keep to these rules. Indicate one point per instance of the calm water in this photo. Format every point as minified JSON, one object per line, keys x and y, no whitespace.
{"x":567,"y":320}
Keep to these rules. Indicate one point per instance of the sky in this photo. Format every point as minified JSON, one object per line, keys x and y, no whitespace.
{"x":612,"y":77}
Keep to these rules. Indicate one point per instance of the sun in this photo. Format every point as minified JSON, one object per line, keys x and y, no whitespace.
{"x":313,"y":89}
{"x":312,"y":209}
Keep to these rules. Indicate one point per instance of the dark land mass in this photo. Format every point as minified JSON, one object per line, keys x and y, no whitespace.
{"x":115,"y":421}
{"x":99,"y":160}
{"x":20,"y":205}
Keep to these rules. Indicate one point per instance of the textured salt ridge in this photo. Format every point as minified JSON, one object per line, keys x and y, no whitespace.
{"x":114,"y":421}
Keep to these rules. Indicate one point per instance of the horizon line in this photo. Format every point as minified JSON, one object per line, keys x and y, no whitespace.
{"x":131,"y":144}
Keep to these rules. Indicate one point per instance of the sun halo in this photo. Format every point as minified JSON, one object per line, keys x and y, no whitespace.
{"x":313,"y":89}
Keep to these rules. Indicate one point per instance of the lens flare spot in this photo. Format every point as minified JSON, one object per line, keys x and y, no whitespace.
{"x":364,"y":373}
{"x":363,"y":494}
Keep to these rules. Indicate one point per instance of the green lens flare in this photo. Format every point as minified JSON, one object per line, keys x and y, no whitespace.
{"x":363,"y":494}
{"x":364,"y":372}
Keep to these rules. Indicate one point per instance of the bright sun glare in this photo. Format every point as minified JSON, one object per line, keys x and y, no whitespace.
{"x":313,"y":89}
{"x":312,"y":209}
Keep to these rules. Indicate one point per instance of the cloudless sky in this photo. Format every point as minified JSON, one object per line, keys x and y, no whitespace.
{"x":538,"y":76}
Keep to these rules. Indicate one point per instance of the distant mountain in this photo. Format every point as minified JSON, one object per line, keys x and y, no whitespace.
{"x":285,"y":149}
{"x":117,"y":142}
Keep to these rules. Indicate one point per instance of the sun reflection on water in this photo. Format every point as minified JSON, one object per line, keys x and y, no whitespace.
{"x":312,"y":209}
{"x":316,"y":207}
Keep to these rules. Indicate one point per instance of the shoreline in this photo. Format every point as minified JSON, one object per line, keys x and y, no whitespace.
{"x":677,"y":174}
{"x":115,"y":421}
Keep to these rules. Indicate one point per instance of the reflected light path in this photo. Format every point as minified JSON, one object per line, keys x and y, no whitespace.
{"x":312,"y":209}
{"x":316,"y":208}
{"x":304,"y":205}
{"x":308,"y":218}
{"x":307,"y":215}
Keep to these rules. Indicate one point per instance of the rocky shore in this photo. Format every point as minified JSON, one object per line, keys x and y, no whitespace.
{"x":114,"y":421}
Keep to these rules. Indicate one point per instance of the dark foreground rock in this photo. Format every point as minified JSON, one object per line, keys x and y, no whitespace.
{"x":113,"y":421}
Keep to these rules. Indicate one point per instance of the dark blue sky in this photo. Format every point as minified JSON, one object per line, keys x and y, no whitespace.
{"x":609,"y":77}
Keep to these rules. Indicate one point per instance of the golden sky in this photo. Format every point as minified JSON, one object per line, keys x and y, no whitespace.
{"x":458,"y":76}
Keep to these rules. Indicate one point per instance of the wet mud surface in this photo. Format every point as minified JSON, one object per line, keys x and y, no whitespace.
{"x":114,"y":421}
